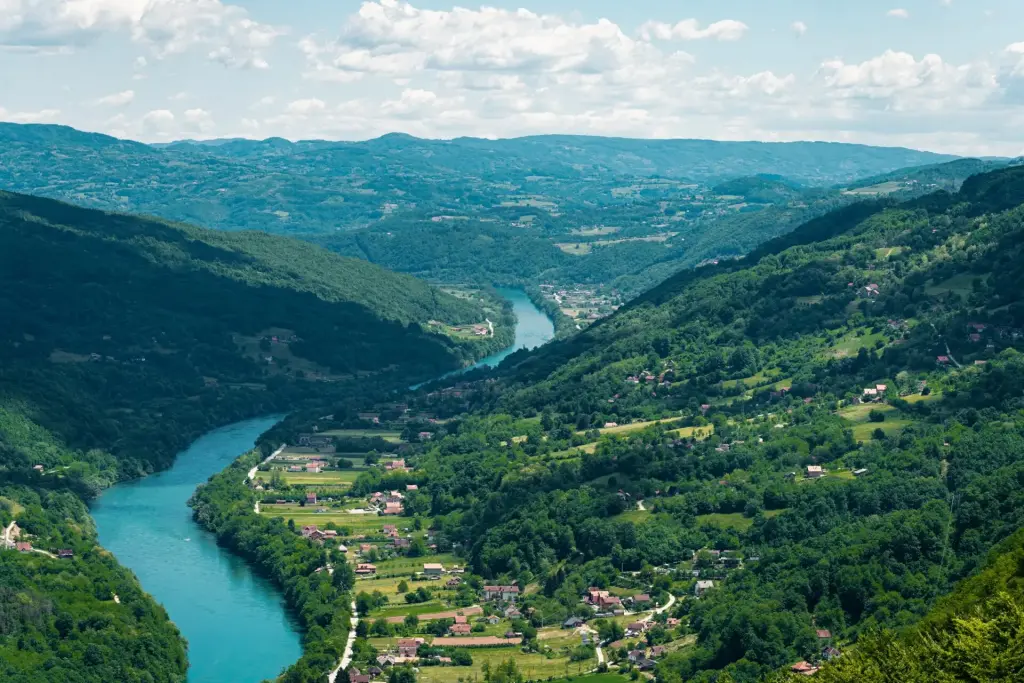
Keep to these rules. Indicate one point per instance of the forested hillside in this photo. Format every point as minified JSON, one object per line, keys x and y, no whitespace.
{"x":561,"y":209}
{"x":125,"y":338}
{"x":188,"y":323}
{"x":824,"y":437}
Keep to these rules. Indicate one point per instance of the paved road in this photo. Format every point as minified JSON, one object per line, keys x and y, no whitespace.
{"x":252,"y":472}
{"x":346,"y":658}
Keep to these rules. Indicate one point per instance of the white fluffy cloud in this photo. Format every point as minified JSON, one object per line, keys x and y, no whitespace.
{"x":159,"y":123}
{"x":689,"y":29}
{"x":165,"y":26}
{"x":198,"y":121}
{"x":902,"y":82}
{"x":118,"y":99}
{"x":394,"y":38}
{"x":799,"y":28}
{"x":898,"y":13}
{"x":41,"y":116}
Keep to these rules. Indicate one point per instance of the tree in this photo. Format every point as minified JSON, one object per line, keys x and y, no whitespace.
{"x":412,"y":621}
{"x":403,"y":586}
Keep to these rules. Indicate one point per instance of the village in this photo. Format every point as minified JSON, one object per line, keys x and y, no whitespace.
{"x":584,"y":304}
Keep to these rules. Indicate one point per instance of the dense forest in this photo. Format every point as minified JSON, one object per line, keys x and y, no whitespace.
{"x":124,"y":339}
{"x":839,"y":414}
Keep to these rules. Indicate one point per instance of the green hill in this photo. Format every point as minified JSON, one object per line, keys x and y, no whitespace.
{"x":881,"y":343}
{"x":123,"y":339}
{"x":194,"y":325}
{"x":487,"y":211}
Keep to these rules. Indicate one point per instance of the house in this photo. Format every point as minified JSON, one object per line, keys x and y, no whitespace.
{"x":309,"y":530}
{"x":636,"y":628}
{"x":374,"y":671}
{"x":942,"y":360}
{"x":392,"y":509}
{"x":881,"y":388}
{"x":460,"y":629}
{"x":493,"y":620}
{"x":823,"y":634}
{"x":573,"y":622}
{"x":658,"y":651}
{"x":672,"y":622}
{"x":814,"y":471}
{"x":23,"y":547}
{"x":390,"y":530}
{"x":642,"y":600}
{"x":38,"y":468}
{"x":395,"y":465}
{"x":407,"y":647}
{"x":412,"y":487}
{"x":312,"y":468}
{"x":342,"y":548}
{"x":609,"y":425}
{"x":366,"y":569}
{"x":461,"y":619}
{"x":453,"y":582}
{"x":294,"y":468}
{"x":636,"y":655}
{"x":512,"y":613}
{"x":860,"y":473}
{"x":330,"y":533}
{"x":433,"y":569}
{"x":703,"y":587}
{"x":645,"y":664}
{"x":360,"y":678}
{"x":804,"y":669}
{"x":311,"y":498}
{"x":385,"y":660}
{"x":508,"y":593}
{"x":829,"y":653}
{"x":612,"y":602}
{"x":401,"y":543}
{"x":365,"y":548}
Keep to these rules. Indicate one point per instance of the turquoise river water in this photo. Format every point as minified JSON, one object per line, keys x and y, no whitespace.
{"x":236,"y":623}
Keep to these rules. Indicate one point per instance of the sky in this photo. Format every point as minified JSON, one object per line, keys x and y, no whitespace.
{"x":942,"y":75}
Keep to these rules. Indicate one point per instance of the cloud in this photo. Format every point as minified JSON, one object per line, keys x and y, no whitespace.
{"x":158,"y":122}
{"x":41,"y":116}
{"x":394,"y":38}
{"x":689,"y":29}
{"x":799,"y":28}
{"x":904,"y":82}
{"x":198,"y":121}
{"x":898,"y":13}
{"x":167,"y":27}
{"x":118,"y":99}
{"x":306,"y":107}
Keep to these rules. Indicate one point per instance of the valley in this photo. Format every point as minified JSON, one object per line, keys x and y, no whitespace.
{"x":736,"y":425}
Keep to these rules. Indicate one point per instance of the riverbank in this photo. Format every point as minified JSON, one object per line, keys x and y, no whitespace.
{"x":315,"y":581}
{"x":320,"y":598}
{"x":210,"y":593}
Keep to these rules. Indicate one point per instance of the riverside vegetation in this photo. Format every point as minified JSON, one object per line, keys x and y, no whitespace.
{"x":827,"y":434}
{"x":124,"y":339}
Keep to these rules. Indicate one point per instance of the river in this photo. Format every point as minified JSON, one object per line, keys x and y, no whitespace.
{"x":236,"y":623}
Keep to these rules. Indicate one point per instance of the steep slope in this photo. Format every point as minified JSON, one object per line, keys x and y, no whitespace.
{"x":975,"y":634}
{"x":829,"y":431}
{"x":92,"y":299}
{"x":123,"y":339}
